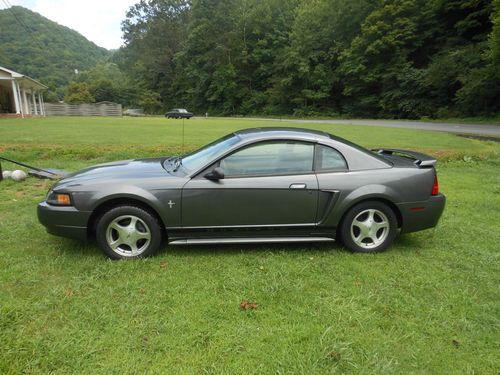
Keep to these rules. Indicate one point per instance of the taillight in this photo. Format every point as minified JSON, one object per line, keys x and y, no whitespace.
{"x":435,"y":187}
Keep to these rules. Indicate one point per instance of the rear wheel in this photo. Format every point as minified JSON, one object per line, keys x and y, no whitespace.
{"x":369,"y":227}
{"x":127,"y":232}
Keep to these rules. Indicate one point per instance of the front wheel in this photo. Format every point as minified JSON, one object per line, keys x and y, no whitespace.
{"x":369,"y":227}
{"x":127,"y":232}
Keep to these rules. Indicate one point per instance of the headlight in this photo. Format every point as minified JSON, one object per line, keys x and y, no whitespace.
{"x":58,"y":199}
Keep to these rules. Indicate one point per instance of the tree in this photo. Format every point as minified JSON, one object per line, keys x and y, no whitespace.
{"x":154,"y":31}
{"x":480,"y":91}
{"x":150,"y":101}
{"x":78,"y":93}
{"x":494,"y":39}
{"x":321,"y":29}
{"x":107,"y":82}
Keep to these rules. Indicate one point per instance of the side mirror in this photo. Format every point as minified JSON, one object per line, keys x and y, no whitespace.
{"x":215,"y":175}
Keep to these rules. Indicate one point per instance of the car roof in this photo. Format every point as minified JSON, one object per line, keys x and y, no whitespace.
{"x":278,"y":132}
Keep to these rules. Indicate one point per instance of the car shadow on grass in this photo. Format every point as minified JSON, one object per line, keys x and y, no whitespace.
{"x":76,"y":248}
{"x":405,"y":243}
{"x":232,"y":249}
{"x":402,"y":244}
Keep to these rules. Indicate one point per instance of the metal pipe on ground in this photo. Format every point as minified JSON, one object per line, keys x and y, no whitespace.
{"x":36,"y":172}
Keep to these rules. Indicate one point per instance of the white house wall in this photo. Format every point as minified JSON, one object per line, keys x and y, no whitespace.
{"x":26,"y":93}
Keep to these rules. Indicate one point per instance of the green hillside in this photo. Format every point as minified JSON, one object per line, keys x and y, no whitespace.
{"x":33,"y":45}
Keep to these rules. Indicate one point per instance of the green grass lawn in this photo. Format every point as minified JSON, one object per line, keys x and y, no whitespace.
{"x":430,"y":304}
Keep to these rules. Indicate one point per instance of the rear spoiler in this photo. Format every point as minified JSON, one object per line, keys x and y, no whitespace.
{"x":419,"y":159}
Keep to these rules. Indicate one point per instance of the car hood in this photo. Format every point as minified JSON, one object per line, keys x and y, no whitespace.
{"x":123,"y":169}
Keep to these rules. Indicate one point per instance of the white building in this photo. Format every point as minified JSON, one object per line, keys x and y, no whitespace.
{"x":20,"y":94}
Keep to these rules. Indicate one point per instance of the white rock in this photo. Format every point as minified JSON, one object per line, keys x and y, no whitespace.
{"x":6,"y":174}
{"x":18,"y":175}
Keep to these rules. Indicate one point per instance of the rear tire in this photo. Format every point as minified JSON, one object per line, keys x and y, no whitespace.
{"x":128,"y":232}
{"x":369,"y":227}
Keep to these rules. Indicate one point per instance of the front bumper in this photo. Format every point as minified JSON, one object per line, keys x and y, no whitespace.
{"x":421,"y":215}
{"x":64,"y":221}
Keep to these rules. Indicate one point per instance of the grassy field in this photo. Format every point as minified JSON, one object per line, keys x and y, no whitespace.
{"x":428,"y":305}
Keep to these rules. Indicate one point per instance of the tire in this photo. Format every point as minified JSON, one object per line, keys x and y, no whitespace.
{"x":128,"y":232}
{"x":369,"y":227}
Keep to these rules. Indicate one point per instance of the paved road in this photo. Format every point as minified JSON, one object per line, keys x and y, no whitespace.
{"x":477,"y":129}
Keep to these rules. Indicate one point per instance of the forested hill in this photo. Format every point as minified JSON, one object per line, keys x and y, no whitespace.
{"x":33,"y":45}
{"x":370,"y":58}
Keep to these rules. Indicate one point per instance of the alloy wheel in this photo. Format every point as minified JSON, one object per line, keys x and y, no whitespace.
{"x":128,"y":235}
{"x":370,"y":228}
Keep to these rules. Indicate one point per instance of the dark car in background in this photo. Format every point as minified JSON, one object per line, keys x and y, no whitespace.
{"x":179,"y":113}
{"x":255,"y":185}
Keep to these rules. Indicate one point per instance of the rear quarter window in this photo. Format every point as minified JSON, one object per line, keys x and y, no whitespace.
{"x":328,"y":159}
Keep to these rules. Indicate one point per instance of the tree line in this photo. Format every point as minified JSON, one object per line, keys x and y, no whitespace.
{"x":368,"y":58}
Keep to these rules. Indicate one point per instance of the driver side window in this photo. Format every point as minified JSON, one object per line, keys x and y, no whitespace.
{"x":270,"y":158}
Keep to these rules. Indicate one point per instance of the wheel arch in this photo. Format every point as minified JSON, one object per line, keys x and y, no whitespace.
{"x":108,"y":204}
{"x":380,"y":199}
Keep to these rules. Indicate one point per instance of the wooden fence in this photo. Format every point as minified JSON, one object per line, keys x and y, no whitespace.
{"x":85,"y":109}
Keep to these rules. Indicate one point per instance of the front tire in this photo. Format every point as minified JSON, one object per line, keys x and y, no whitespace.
{"x":128,"y":232}
{"x":369,"y":227}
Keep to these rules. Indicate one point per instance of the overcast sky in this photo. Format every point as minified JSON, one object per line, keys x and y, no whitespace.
{"x":97,"y":20}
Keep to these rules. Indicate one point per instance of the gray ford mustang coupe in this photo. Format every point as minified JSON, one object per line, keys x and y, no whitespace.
{"x":255,"y":185}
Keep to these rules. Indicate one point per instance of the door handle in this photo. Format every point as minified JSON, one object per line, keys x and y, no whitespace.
{"x":298,"y":186}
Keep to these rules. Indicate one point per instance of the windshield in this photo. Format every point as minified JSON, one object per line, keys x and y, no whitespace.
{"x":198,"y":159}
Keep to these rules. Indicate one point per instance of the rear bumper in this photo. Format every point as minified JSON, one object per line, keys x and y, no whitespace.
{"x":421,"y":215}
{"x":64,"y":221}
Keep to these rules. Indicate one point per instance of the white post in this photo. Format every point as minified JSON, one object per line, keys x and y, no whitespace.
{"x":40,"y":102}
{"x":20,"y":100}
{"x":25,"y":102}
{"x":16,"y":98}
{"x":43,"y":105}
{"x":35,"y":112}
{"x":30,"y":100}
